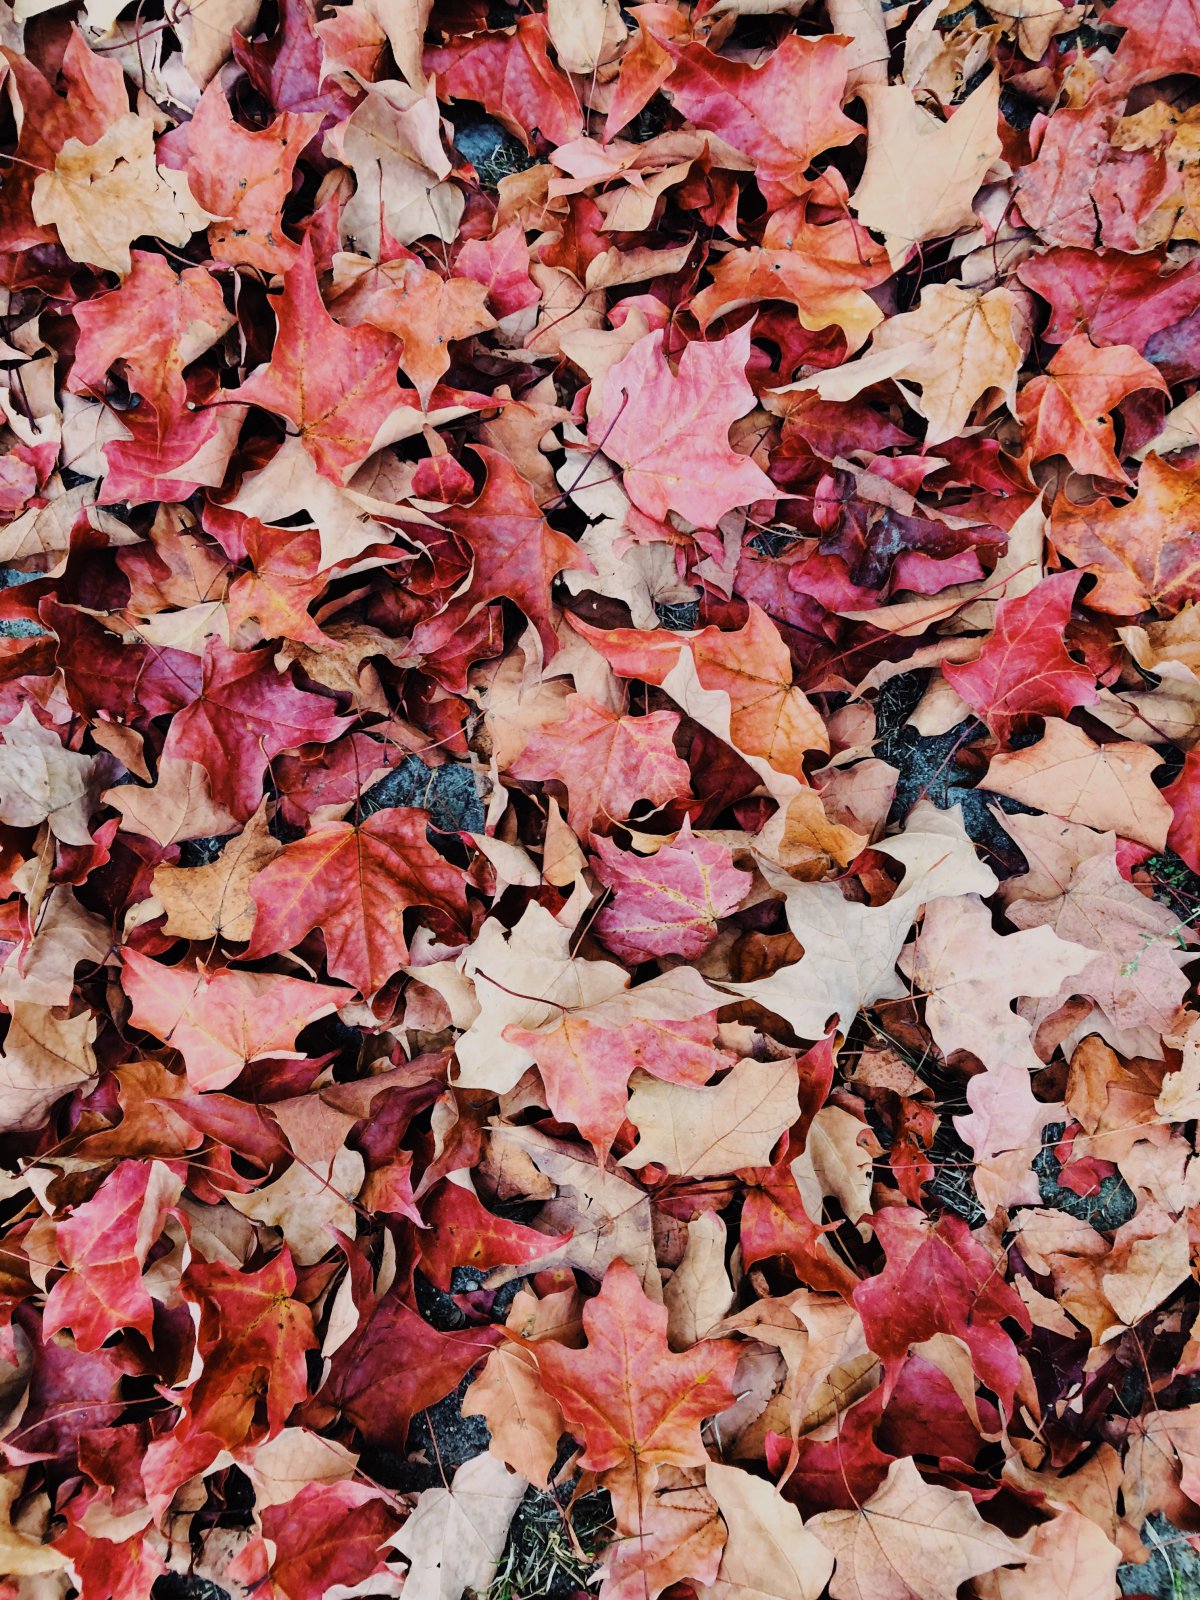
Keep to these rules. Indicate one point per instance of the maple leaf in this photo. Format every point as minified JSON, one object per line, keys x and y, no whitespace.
{"x":516,"y":552}
{"x":425,"y":311}
{"x":381,"y":1395}
{"x":465,"y":1234}
{"x":825,"y":271}
{"x":213,"y":901}
{"x":698,"y":1132}
{"x":46,"y":1055}
{"x":626,"y":1394}
{"x":1024,"y":668}
{"x":393,"y":141}
{"x":970,"y":975}
{"x":607,"y":762}
{"x":769,"y":717}
{"x":189,"y":317}
{"x":251,"y":1327}
{"x":221,"y":1020}
{"x":1145,"y":553}
{"x":849,"y":958}
{"x":959,"y":344}
{"x":769,"y":1551}
{"x":104,"y":1244}
{"x":509,"y":72}
{"x":455,"y":1536}
{"x":523,"y":1421}
{"x":329,"y":1534}
{"x":669,"y":903}
{"x":245,"y":714}
{"x":669,"y":431}
{"x":1135,"y":978}
{"x":966,"y":1298}
{"x":1157,"y":40}
{"x":242,"y":177}
{"x":781,"y":114}
{"x":912,"y":1540}
{"x":40,"y":781}
{"x":1102,"y":786}
{"x":105,"y":193}
{"x":336,"y":385}
{"x":1064,"y":410}
{"x":355,"y":884}
{"x":922,"y":175}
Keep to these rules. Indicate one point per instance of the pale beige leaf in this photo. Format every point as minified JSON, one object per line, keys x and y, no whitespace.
{"x":43,"y":973}
{"x":42,"y":781}
{"x":962,"y":345}
{"x":404,"y":23}
{"x":1070,"y":1558}
{"x":21,"y":1554}
{"x":281,"y":1467}
{"x":1135,"y":976}
{"x":607,"y":1214}
{"x":912,"y":1540}
{"x":922,"y":175}
{"x":178,"y":806}
{"x":104,"y":195}
{"x":45,"y":1056}
{"x":849,"y":959}
{"x":206,"y":30}
{"x":720,"y":1128}
{"x":835,"y":1162}
{"x":699,"y":1293}
{"x":769,"y":1554}
{"x":1102,"y":786}
{"x":970,"y":976}
{"x":392,"y":141}
{"x":454,"y":1538}
{"x":1150,"y":1259}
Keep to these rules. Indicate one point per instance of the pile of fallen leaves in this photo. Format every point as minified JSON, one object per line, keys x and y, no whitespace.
{"x":599,"y":799}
